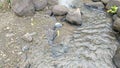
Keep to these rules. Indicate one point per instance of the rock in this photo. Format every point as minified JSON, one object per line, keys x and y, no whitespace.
{"x":27,"y":37}
{"x":48,"y":12}
{"x":25,"y":48}
{"x":52,"y":2}
{"x":96,"y":0}
{"x":74,"y":17}
{"x":118,"y":12}
{"x":23,"y":7}
{"x":39,"y":4}
{"x":105,"y":1}
{"x":116,"y":58}
{"x":115,"y":17}
{"x":59,"y":10}
{"x":116,"y":24}
{"x":98,"y":5}
{"x":112,"y":3}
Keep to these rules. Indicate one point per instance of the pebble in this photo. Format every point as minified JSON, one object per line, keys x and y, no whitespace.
{"x":25,"y":48}
{"x":27,"y":37}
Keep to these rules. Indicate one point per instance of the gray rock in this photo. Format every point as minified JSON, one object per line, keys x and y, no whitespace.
{"x":115,"y":17}
{"x":23,"y":7}
{"x":59,"y":10}
{"x":27,"y":37}
{"x":118,"y":12}
{"x":116,"y":24}
{"x":98,"y":5}
{"x":52,"y":2}
{"x":116,"y":58}
{"x":112,"y":3}
{"x":39,"y":4}
{"x":105,"y":1}
{"x":74,"y":17}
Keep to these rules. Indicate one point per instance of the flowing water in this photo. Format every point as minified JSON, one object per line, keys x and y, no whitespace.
{"x":91,"y":45}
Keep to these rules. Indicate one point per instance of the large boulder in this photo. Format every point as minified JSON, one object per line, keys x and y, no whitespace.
{"x":74,"y":17}
{"x":23,"y":7}
{"x":40,"y":4}
{"x":59,"y":10}
{"x":116,"y":24}
{"x":112,"y":3}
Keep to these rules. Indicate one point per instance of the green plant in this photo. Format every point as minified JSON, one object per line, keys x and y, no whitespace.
{"x":113,"y":9}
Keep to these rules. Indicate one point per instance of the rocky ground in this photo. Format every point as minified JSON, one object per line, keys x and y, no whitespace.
{"x":86,"y":39}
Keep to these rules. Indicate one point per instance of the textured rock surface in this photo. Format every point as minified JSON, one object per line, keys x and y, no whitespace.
{"x":74,"y":17}
{"x":23,"y":7}
{"x":98,"y":5}
{"x":59,"y":10}
{"x":39,"y":4}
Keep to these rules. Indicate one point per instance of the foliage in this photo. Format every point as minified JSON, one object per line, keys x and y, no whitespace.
{"x":113,"y":9}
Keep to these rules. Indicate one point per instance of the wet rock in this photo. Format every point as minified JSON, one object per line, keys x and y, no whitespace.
{"x":39,"y":4}
{"x":105,"y":1}
{"x":118,"y":12}
{"x":116,"y":58}
{"x":98,"y":5}
{"x":52,"y":2}
{"x":74,"y":17}
{"x":23,"y":7}
{"x":27,"y":37}
{"x":116,"y":24}
{"x":112,"y":3}
{"x":115,"y":17}
{"x":59,"y":10}
{"x":95,"y":0}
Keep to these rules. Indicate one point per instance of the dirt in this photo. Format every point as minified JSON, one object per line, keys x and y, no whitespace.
{"x":12,"y":29}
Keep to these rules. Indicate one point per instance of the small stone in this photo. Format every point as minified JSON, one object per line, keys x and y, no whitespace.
{"x":74,"y":17}
{"x":25,"y":48}
{"x":27,"y":37}
{"x":59,"y":10}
